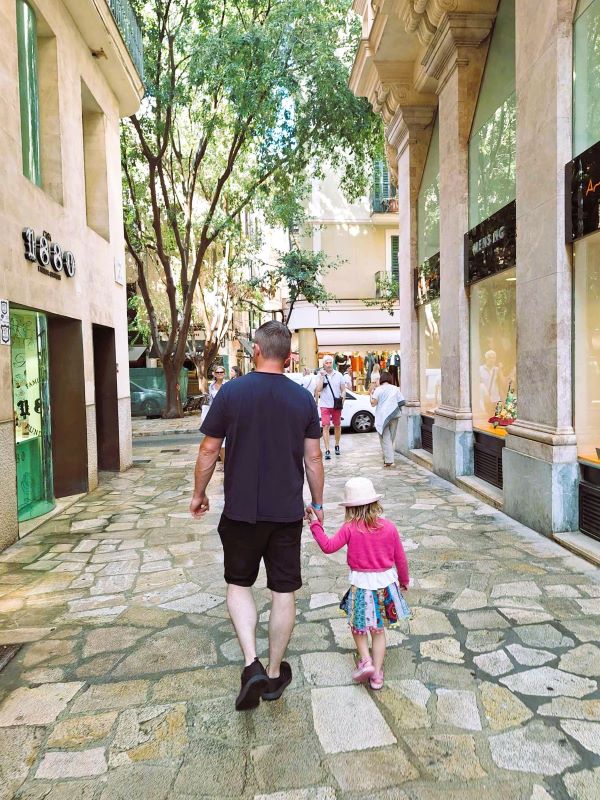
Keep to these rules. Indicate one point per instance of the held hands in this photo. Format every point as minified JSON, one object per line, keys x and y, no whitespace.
{"x":310,"y":514}
{"x":199,"y":506}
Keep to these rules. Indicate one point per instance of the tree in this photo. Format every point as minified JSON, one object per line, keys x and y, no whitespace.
{"x":301,"y":272}
{"x":242,"y":97}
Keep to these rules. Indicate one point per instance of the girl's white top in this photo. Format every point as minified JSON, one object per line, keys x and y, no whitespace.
{"x":373,"y":580}
{"x":388,"y":397}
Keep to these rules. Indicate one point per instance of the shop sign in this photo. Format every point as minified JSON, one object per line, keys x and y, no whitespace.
{"x":583,"y":194}
{"x":4,"y":323}
{"x":427,"y":281}
{"x":49,"y":255}
{"x":491,"y":246}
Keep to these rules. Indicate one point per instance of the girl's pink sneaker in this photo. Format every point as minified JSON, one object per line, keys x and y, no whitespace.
{"x":376,"y":680}
{"x":364,"y":670}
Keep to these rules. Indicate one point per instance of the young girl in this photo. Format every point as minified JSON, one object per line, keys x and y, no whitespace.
{"x":377,"y":564}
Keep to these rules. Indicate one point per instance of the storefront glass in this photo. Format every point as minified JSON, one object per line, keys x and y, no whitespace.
{"x":428,"y":208}
{"x":493,"y":320}
{"x":430,"y":356}
{"x":29,"y":356}
{"x":587,"y":347}
{"x":586,"y":75}
{"x":492,"y":146}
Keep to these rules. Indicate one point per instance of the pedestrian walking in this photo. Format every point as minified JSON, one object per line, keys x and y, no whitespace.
{"x":375,"y":378}
{"x":309,"y":381}
{"x":273,"y":432}
{"x":388,"y":401}
{"x":378,"y":575}
{"x":332,"y":393}
{"x":213,"y":390}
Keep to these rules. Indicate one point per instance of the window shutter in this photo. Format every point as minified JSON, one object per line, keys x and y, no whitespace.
{"x":395,"y":265}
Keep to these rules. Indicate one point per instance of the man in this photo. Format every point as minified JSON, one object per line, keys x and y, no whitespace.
{"x":331,"y":387}
{"x":272,"y":429}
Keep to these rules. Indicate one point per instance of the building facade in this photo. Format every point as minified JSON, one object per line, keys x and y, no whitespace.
{"x":362,"y":238}
{"x":69,"y":70}
{"x":492,"y":118}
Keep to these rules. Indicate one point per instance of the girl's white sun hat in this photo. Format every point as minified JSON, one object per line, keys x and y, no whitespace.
{"x":359,"y":492}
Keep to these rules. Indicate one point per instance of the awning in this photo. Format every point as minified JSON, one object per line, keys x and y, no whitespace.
{"x":344,"y":338}
{"x":136,"y":352}
{"x":246,"y":344}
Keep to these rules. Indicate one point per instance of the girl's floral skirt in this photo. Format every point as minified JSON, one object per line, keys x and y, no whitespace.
{"x":374,"y":609}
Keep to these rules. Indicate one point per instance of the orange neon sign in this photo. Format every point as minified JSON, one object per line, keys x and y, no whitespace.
{"x":591,"y":187}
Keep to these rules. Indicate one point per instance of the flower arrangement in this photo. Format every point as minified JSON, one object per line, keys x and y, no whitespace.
{"x":506,"y":412}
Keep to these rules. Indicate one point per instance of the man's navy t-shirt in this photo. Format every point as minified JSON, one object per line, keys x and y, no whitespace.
{"x":266,"y":417}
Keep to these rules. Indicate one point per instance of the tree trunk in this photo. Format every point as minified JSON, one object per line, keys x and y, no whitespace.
{"x":173,"y":408}
{"x":203,"y":365}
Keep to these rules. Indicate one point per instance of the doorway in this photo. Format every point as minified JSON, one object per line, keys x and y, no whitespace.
{"x":107,"y":409}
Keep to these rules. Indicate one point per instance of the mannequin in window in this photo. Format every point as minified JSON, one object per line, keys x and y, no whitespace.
{"x":491,"y":383}
{"x":341,"y":362}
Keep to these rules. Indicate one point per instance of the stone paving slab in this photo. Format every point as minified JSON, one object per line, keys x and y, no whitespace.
{"x":128,"y":669}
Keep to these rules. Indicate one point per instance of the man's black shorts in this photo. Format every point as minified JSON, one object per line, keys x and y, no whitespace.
{"x":245,"y":544}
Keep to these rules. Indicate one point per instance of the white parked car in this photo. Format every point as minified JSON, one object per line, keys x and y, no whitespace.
{"x":358,"y":411}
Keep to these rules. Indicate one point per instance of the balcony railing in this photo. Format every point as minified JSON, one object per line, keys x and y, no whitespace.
{"x":384,"y":205}
{"x":130,"y":30}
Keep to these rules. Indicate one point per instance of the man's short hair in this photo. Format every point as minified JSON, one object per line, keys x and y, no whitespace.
{"x":275,"y":340}
{"x":328,"y":358}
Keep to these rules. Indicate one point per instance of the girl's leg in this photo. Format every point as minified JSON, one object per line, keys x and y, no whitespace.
{"x":378,"y":650}
{"x":362,"y":645}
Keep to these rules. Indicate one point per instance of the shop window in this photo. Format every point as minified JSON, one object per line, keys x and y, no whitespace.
{"x":29,"y":362}
{"x":428,"y":203}
{"x":587,"y":347}
{"x":94,"y":154}
{"x":430,"y":356}
{"x":492,"y":146}
{"x":493,"y":320}
{"x":586,"y":75}
{"x":29,"y":91}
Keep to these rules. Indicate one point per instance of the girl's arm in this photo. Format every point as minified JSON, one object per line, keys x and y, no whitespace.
{"x":401,"y":562}
{"x":329,"y":545}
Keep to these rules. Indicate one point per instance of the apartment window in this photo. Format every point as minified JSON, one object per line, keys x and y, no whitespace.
{"x":29,"y":91}
{"x":94,"y":156}
{"x":394,"y":244}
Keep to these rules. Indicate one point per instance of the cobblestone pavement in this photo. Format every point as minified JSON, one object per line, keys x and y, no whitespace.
{"x":125,"y":682}
{"x":142,"y":427}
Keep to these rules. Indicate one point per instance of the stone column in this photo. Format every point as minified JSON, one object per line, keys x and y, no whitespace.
{"x":308,"y":348}
{"x":456,"y":59}
{"x":409,"y":134}
{"x":540,"y":457}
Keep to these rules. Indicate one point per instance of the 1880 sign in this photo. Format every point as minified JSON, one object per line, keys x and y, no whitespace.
{"x":49,"y":255}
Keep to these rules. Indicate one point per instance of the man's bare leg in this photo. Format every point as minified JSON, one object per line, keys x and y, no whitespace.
{"x":281,"y":625}
{"x":242,"y":610}
{"x":326,"y":436}
{"x":338,"y":434}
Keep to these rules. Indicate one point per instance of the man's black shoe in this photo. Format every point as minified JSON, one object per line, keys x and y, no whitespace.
{"x":277,"y":686}
{"x":327,"y":455}
{"x":254,"y":681}
{"x":337,"y":450}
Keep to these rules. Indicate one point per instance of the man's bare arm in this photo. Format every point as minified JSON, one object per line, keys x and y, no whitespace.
{"x":315,"y":474}
{"x":205,"y":467}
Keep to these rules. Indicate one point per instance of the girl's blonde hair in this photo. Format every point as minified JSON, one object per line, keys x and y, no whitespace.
{"x":365,"y":517}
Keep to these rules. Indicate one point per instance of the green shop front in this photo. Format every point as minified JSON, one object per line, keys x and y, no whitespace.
{"x":31,"y":404}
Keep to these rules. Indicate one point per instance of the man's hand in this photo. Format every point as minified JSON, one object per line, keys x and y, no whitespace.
{"x":199,"y":506}
{"x":311,"y":514}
